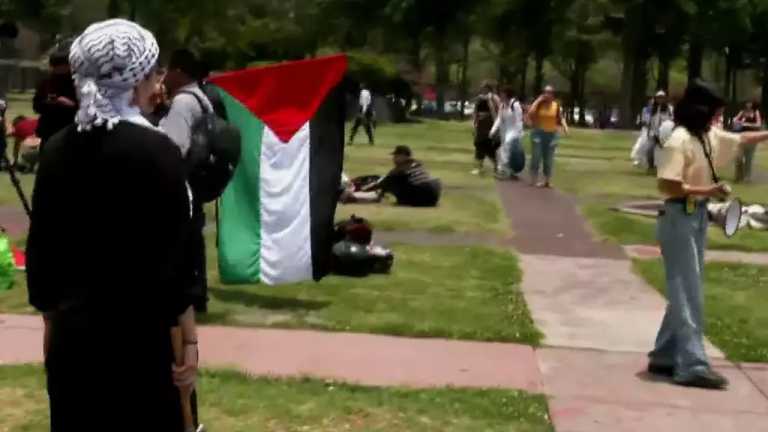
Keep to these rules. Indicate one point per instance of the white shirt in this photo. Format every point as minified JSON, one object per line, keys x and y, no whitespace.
{"x":185,"y":111}
{"x":365,"y":99}
{"x":509,"y":122}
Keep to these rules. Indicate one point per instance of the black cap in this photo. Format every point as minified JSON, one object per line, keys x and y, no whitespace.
{"x":700,"y":92}
{"x":402,"y":150}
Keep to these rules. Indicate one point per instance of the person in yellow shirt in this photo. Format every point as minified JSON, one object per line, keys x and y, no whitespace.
{"x":546,"y":118}
{"x":687,"y":178}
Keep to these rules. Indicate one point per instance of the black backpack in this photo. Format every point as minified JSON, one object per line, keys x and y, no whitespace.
{"x":213,"y":154}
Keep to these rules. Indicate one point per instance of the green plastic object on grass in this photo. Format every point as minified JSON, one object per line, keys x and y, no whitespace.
{"x":7,"y":265}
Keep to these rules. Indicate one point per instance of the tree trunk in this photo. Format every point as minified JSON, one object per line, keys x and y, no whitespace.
{"x":662,"y":82}
{"x":464,"y":74}
{"x":639,"y":84}
{"x":728,"y":77}
{"x":764,"y":98}
{"x":695,"y":60}
{"x":627,"y":79}
{"x":582,"y":97}
{"x":575,"y":73}
{"x":538,"y":79}
{"x":442,"y":72}
{"x":524,"y":78}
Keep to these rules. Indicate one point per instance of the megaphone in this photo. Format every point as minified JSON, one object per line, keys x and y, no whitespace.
{"x":728,"y":216}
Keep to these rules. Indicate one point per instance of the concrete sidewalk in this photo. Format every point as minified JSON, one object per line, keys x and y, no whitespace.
{"x":356,"y":358}
{"x":645,"y":252}
{"x":590,"y":391}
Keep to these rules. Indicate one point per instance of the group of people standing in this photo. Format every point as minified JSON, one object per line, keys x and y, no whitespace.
{"x":499,"y":123}
{"x":659,"y":114}
{"x":114,"y":185}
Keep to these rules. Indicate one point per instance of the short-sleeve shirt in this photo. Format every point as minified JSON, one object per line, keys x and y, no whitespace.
{"x":25,"y":129}
{"x":683,"y":158}
{"x":547,"y":117}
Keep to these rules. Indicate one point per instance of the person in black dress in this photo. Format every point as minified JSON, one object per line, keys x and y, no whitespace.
{"x":486,"y":108}
{"x":111,"y":210}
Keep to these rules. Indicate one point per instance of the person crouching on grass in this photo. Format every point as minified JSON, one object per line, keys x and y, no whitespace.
{"x":687,"y":179}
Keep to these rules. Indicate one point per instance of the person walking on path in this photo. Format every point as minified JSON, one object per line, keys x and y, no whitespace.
{"x":106,"y":187}
{"x":546,"y":118}
{"x":688,"y":180}
{"x":509,"y":126}
{"x":486,"y":110}
{"x":365,"y":116}
{"x":748,"y":120}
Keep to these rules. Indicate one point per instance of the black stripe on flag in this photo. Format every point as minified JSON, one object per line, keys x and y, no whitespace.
{"x":325,"y":166}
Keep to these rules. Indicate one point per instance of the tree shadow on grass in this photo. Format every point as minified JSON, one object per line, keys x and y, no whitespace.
{"x":251,"y":299}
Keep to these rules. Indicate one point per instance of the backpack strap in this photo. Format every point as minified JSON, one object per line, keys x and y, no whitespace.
{"x":199,"y":100}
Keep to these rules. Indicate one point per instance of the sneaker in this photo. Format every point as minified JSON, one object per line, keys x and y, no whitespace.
{"x":661,"y":370}
{"x":476,"y":172}
{"x":706,"y":379}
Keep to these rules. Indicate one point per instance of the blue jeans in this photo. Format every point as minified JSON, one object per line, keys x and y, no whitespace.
{"x":543,"y":146}
{"x":744,"y":162}
{"x":680,"y":342}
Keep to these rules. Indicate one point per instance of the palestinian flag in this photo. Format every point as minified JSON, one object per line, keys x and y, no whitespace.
{"x":276,"y":216}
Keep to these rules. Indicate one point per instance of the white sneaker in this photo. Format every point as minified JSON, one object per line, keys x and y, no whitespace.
{"x":476,"y":172}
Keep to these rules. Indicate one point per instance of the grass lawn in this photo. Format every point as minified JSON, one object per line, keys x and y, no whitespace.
{"x":735,"y":306}
{"x":594,"y":166}
{"x":450,"y":292}
{"x":231,"y":402}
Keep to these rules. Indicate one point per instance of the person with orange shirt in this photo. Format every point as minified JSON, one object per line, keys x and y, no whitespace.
{"x":546,"y":118}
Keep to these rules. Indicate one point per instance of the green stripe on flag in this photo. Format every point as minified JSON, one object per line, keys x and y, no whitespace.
{"x":240,"y":209}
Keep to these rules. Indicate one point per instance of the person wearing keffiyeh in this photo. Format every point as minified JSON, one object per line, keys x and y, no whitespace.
{"x":111,"y":210}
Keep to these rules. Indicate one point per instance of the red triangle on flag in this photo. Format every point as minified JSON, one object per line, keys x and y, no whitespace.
{"x":285,"y":96}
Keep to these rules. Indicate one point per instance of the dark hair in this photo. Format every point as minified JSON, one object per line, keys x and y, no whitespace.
{"x":508,"y":91}
{"x":18,"y":119}
{"x":698,"y":108}
{"x":60,"y":54}
{"x":187,"y":62}
{"x":58,"y":59}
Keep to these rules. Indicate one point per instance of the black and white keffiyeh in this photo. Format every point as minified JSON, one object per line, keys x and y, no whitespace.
{"x":108,"y":60}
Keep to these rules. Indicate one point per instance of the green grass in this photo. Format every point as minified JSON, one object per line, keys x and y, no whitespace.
{"x":594,"y":166}
{"x":469,"y":203}
{"x":231,"y":402}
{"x":449,"y":292}
{"x":19,"y":104}
{"x":735,"y":306}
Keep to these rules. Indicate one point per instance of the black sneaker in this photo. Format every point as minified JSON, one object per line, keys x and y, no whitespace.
{"x":661,"y":370}
{"x":707,"y":379}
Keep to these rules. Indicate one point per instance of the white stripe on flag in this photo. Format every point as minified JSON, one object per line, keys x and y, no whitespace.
{"x":286,"y":234}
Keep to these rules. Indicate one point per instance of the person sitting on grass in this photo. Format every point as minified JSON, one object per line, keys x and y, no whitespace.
{"x":25,"y":142}
{"x":409,"y":181}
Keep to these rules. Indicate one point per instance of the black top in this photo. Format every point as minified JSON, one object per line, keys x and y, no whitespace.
{"x":54,"y":117}
{"x":110,"y":214}
{"x":412,"y":174}
{"x":483,"y":104}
